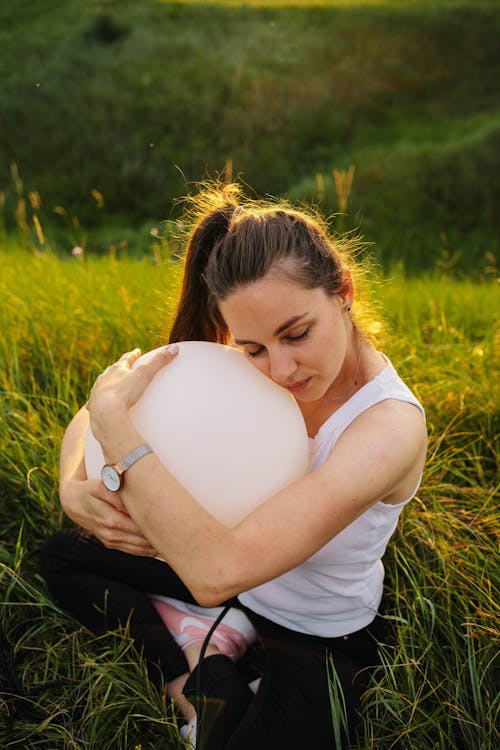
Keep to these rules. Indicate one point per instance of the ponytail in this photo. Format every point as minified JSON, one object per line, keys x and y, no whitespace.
{"x":197,"y":319}
{"x":235,"y":241}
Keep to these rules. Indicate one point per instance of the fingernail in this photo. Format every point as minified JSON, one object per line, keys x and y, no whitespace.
{"x":173,"y":349}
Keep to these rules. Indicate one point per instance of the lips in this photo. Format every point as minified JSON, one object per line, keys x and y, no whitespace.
{"x":299,"y":386}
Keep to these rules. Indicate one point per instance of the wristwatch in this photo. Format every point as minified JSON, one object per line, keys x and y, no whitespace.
{"x":112,"y":475}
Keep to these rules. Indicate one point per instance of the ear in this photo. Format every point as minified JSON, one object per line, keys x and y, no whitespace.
{"x":346,"y":289}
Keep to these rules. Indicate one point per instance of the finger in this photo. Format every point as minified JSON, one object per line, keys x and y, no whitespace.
{"x":141,"y":547}
{"x":116,"y":528}
{"x":118,"y":523}
{"x":108,"y":511}
{"x":130,"y":356}
{"x":141,"y":552}
{"x":100,"y":492}
{"x":156,"y":361}
{"x":117,"y":538}
{"x":130,"y":544}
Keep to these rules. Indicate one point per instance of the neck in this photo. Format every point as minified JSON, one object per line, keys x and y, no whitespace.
{"x":342,"y":387}
{"x":340,"y":390}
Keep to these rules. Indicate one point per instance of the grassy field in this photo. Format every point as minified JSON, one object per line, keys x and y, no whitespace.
{"x":384,"y":112}
{"x":62,"y":321}
{"x":112,"y":107}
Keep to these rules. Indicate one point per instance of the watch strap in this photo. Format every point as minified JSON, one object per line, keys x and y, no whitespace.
{"x":133,"y":456}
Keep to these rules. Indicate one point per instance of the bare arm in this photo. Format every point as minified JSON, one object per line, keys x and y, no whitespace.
{"x":88,"y":503}
{"x":388,"y":442}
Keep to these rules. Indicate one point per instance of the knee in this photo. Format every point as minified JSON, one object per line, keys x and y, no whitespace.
{"x":56,"y":556}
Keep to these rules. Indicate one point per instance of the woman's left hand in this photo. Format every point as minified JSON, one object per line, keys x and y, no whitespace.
{"x":121,"y":385}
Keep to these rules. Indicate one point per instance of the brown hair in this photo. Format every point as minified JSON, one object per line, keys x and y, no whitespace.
{"x":235,"y":241}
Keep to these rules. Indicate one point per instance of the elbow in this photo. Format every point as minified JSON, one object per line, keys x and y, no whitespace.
{"x":208,"y":600}
{"x":216,"y":589}
{"x":215,"y":579}
{"x":211,"y":596}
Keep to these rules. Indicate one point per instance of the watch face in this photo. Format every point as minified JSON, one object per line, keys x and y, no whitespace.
{"x":110,"y":478}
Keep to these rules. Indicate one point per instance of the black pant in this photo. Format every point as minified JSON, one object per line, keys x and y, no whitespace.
{"x":104,"y":589}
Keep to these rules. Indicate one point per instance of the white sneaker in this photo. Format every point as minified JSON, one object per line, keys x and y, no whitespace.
{"x":188,"y":733}
{"x":254,"y":685}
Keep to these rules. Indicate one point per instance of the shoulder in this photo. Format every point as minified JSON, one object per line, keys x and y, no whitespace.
{"x":392,"y":413}
{"x":393,"y":423}
{"x":383,"y":450}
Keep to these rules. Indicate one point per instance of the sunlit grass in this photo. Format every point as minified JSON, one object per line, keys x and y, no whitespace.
{"x":63,"y":320}
{"x":397,"y":4}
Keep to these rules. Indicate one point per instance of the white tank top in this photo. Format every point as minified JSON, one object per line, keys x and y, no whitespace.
{"x":338,"y":589}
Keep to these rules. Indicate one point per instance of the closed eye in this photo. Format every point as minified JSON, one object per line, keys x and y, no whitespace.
{"x":256,"y":353}
{"x":293,"y":339}
{"x":301,"y":336}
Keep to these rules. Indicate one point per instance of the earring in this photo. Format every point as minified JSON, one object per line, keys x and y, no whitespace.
{"x":347,"y":308}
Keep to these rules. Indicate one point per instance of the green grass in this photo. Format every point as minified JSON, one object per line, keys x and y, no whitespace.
{"x":62,"y":321}
{"x":136,"y":99}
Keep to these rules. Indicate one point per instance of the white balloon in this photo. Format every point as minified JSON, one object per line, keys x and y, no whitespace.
{"x":228,"y":434}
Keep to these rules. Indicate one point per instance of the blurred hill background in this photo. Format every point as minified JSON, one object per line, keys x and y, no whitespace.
{"x":109,"y":109}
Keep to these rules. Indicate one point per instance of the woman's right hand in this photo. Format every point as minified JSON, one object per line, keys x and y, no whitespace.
{"x":90,"y":505}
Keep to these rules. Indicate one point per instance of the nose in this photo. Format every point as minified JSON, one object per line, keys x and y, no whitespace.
{"x":282,"y":366}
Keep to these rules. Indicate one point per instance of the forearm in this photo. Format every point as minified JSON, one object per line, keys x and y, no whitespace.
{"x":196,"y":545}
{"x":71,"y":461}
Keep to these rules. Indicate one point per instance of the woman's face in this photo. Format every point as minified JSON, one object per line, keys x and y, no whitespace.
{"x":298,"y":337}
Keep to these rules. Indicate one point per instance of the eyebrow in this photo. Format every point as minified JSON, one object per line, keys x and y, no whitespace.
{"x":280,"y":329}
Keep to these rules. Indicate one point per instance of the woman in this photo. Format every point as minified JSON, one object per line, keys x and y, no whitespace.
{"x":268,"y":279}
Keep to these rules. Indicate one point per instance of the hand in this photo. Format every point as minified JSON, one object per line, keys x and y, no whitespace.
{"x":90,"y":505}
{"x":121,"y":385}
